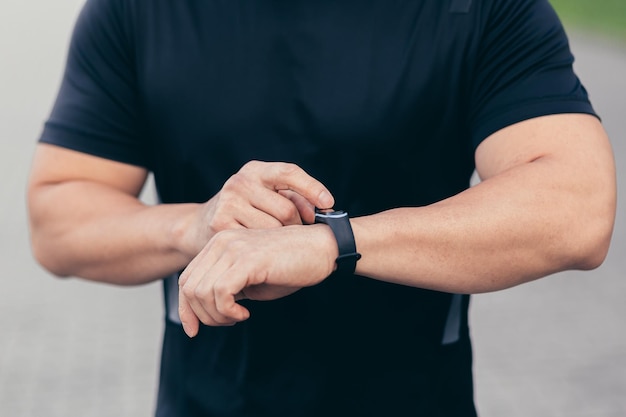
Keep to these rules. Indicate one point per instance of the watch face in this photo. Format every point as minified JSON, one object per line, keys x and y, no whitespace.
{"x":329,"y":213}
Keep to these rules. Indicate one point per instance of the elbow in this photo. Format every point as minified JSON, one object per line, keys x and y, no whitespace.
{"x":45,"y":244}
{"x":591,"y":221}
{"x":592,"y":241}
{"x":45,"y":256}
{"x":593,"y":253}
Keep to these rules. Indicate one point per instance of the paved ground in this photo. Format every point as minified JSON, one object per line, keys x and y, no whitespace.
{"x":556,"y":347}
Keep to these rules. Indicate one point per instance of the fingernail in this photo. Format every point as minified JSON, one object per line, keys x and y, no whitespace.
{"x":186,"y":330}
{"x":325,"y":200}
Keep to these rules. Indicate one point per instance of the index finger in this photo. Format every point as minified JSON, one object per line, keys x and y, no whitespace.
{"x":190,"y":322}
{"x":287,"y":176}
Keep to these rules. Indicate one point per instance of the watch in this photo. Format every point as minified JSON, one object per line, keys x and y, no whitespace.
{"x":339,"y":223}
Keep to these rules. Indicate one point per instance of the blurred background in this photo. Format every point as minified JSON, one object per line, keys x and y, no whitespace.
{"x":555,"y":347}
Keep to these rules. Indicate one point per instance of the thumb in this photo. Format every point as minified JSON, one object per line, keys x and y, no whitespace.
{"x":286,"y":176}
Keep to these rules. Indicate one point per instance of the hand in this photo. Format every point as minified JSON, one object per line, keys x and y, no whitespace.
{"x":261,"y":195}
{"x":254,"y":264}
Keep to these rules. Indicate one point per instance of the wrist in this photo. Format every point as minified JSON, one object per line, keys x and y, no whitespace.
{"x":184,"y":231}
{"x":327,"y":246}
{"x":339,"y":223}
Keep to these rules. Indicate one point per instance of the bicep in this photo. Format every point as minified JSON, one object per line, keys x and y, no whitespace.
{"x":576,"y":144}
{"x":555,"y":176}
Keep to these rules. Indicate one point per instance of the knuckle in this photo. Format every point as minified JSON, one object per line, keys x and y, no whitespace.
{"x":287,"y":211}
{"x":218,"y":223}
{"x":252,"y":165}
{"x":234,"y":184}
{"x":222,"y":218}
{"x":288,"y":168}
{"x":199,"y":293}
{"x":188,"y":292}
{"x":221,"y":287}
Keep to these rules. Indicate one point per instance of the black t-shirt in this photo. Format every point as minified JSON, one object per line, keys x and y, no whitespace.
{"x":383,"y":101}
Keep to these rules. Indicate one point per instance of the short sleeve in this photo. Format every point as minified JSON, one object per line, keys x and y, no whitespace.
{"x":97,"y":107}
{"x":524,"y":68}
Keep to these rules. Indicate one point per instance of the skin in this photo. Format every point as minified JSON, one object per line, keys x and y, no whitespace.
{"x":546,"y":203}
{"x":87,"y":221}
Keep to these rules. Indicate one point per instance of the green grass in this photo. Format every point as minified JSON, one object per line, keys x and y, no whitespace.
{"x":607,"y":17}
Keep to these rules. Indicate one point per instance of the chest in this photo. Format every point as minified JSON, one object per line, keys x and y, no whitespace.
{"x":333,"y":70}
{"x":332,"y":86}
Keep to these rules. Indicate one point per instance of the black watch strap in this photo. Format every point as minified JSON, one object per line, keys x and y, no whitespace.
{"x":339,"y":223}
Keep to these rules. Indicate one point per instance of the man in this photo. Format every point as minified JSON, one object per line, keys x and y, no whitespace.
{"x":379,"y":108}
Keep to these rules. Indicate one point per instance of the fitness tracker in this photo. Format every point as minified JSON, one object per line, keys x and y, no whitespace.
{"x":339,"y":223}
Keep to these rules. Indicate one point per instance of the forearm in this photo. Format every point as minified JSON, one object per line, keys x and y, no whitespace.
{"x":91,"y":231}
{"x":505,"y":231}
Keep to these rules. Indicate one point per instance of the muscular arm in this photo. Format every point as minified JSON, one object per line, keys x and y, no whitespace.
{"x":87,"y":221}
{"x":546,"y":204}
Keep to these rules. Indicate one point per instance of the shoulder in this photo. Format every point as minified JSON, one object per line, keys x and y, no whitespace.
{"x":515,"y":16}
{"x":522,"y":67}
